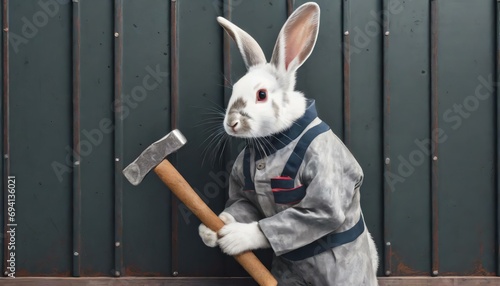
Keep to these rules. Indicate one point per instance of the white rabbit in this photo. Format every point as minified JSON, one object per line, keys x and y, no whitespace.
{"x":296,"y":188}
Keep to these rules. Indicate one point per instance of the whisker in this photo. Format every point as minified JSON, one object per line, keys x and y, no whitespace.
{"x":226,"y":139}
{"x":215,"y":136}
{"x":227,"y":80}
{"x":210,"y":121}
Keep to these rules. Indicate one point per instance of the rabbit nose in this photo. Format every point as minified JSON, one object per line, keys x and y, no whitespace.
{"x":233,"y":124}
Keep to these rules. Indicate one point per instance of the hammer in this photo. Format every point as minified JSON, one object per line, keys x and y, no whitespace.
{"x":154,"y":158}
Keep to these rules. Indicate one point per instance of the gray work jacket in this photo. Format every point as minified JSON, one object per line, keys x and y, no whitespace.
{"x":328,"y":176}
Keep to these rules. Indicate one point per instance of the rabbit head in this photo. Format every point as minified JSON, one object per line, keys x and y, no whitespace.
{"x":264,"y":101}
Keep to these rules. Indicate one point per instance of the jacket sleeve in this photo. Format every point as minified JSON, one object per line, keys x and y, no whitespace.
{"x":330,"y":174}
{"x":238,"y":204}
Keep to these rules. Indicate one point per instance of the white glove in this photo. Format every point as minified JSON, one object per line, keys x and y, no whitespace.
{"x":208,"y":236}
{"x":239,"y":237}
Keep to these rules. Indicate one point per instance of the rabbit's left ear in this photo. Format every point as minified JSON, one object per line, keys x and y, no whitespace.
{"x":297,"y":38}
{"x":249,"y":48}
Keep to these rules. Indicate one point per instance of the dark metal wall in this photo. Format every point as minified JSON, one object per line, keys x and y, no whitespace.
{"x":410,"y":86}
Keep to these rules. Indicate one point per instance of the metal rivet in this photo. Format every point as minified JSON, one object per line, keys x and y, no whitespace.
{"x":117,"y":159}
{"x":435,"y":158}
{"x":387,"y":273}
{"x":435,"y":272}
{"x":388,"y":243}
{"x":261,"y":166}
{"x":387,"y":161}
{"x":117,"y":244}
{"x":175,"y":273}
{"x":6,"y":273}
{"x":77,"y":163}
{"x":117,"y":273}
{"x":387,"y":33}
{"x":75,"y":1}
{"x":116,"y":35}
{"x":75,"y":253}
{"x":346,"y":33}
{"x":5,"y":29}
{"x":6,"y":156}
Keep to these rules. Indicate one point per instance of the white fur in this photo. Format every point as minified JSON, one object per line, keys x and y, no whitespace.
{"x":292,"y":104}
{"x":373,"y":251}
{"x":261,"y":119}
{"x":240,"y":237}
{"x":208,"y":236}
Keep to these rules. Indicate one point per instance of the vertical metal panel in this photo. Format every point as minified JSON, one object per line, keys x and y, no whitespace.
{"x":346,"y":15}
{"x":290,"y":7}
{"x":497,"y":136}
{"x":408,"y":140}
{"x":233,"y":148}
{"x":4,"y":115}
{"x":227,"y":7}
{"x":232,"y":151}
{"x":174,"y":64}
{"x":77,"y":195}
{"x":466,"y":116}
{"x":174,"y":115}
{"x":434,"y":143}
{"x":147,"y":117}
{"x":97,"y":164}
{"x":200,"y":92}
{"x":321,"y":76}
{"x":386,"y":141}
{"x":365,"y":49}
{"x":118,"y":133}
{"x":41,"y":136}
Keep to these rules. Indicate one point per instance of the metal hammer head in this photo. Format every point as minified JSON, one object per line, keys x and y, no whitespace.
{"x":153,"y":155}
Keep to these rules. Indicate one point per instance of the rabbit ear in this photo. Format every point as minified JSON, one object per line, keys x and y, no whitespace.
{"x":297,"y":38}
{"x":249,"y":49}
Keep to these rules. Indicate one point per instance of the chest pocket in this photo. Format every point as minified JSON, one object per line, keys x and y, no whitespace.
{"x":284,"y":190}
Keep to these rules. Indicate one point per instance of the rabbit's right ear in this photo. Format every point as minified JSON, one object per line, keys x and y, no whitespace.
{"x":249,"y":49}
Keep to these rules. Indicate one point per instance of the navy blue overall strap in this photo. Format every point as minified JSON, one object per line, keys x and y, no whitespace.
{"x":246,"y":171}
{"x":327,"y":242}
{"x":293,"y":164}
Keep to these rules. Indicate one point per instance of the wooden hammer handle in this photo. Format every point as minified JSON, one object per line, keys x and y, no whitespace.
{"x":178,"y":185}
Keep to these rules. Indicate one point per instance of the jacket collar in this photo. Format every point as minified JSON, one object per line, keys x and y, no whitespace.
{"x":282,"y":139}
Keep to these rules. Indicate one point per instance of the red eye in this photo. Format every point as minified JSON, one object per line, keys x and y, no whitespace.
{"x":261,"y":95}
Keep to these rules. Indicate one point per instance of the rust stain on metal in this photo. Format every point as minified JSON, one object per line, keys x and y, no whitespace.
{"x":136,"y":271}
{"x":91,"y":273}
{"x":54,"y":273}
{"x":402,"y":269}
{"x":478,"y":270}
{"x":405,"y":270}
